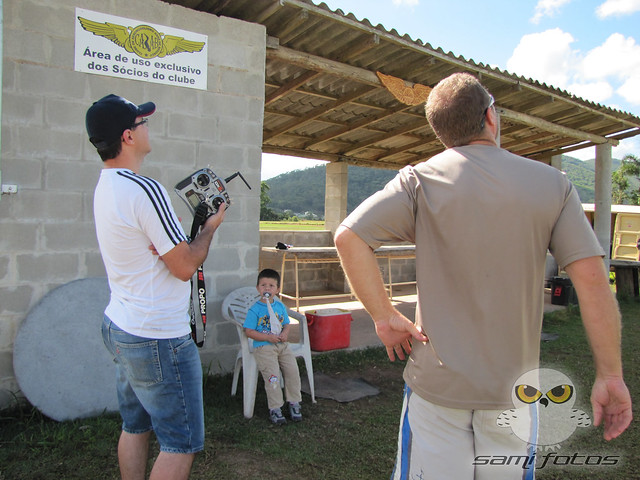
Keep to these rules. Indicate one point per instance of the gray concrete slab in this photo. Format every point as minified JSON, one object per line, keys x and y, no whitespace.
{"x":60,"y":362}
{"x":341,"y":390}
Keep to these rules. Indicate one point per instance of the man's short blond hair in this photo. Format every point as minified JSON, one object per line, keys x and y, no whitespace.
{"x":455,"y":109}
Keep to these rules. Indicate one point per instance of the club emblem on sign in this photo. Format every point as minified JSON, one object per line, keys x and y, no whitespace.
{"x":143,"y":40}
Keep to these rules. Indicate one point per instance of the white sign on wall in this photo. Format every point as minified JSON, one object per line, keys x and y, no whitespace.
{"x":125,"y":48}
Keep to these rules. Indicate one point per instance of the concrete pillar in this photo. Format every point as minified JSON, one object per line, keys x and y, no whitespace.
{"x":602,"y":214}
{"x":556,"y":162}
{"x":335,"y":196}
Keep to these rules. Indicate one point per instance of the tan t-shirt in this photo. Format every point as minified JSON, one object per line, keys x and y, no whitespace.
{"x":482,"y":220}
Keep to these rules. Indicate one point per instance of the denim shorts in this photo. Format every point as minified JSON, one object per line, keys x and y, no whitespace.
{"x":159,"y":383}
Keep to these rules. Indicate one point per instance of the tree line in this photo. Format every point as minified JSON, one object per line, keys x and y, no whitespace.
{"x":300,"y":194}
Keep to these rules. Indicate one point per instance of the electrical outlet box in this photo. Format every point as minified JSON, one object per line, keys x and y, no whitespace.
{"x":9,"y":189}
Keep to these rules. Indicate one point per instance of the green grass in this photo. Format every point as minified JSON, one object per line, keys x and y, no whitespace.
{"x":354,"y":440}
{"x":301,"y":225}
{"x":571,"y":355}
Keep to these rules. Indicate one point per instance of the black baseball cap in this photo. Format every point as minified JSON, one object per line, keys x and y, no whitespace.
{"x":110,"y":116}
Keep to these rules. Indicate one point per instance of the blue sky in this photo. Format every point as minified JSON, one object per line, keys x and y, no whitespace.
{"x":590,"y":48}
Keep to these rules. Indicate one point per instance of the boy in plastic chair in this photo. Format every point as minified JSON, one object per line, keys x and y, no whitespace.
{"x":267,"y":324}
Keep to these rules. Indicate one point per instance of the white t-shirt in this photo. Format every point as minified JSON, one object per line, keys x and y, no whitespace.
{"x":132,"y":212}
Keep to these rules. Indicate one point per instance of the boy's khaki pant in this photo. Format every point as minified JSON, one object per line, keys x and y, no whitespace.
{"x":273,"y":359}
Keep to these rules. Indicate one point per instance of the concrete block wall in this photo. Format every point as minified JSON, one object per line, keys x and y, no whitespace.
{"x":47,"y":235}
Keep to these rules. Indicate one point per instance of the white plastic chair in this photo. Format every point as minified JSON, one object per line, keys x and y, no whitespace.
{"x":234,"y":308}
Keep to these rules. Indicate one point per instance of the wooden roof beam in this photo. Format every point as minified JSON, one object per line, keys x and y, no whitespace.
{"x":385,"y":136}
{"x":621,"y":136}
{"x":358,"y":47}
{"x":406,"y":148}
{"x":328,"y":96}
{"x":328,"y":157}
{"x":293,"y":24}
{"x":316,"y":112}
{"x":290,"y":85}
{"x":541,"y":148}
{"x":552,"y":127}
{"x":299,"y":152}
{"x":313,"y":62}
{"x":531,"y":139}
{"x":321,"y":119}
{"x":268,"y":12}
{"x":357,"y":124}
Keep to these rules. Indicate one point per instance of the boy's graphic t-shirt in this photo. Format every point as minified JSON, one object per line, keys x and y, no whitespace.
{"x":258,"y":318}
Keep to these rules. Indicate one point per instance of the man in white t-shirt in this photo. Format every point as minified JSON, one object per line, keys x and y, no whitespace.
{"x":149,"y":264}
{"x":482,"y":220}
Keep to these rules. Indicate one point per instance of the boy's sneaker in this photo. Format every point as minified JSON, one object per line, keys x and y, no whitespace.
{"x":276,"y":417}
{"x":295,"y":412}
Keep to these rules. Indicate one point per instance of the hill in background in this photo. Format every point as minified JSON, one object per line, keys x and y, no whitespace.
{"x":302,"y":191}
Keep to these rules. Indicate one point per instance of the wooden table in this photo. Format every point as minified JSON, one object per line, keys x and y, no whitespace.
{"x":626,"y":276}
{"x":303,"y":255}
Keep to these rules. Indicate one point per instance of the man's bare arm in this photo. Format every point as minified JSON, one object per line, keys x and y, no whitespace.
{"x":610,"y":397}
{"x":184,"y":259}
{"x":361,"y":268}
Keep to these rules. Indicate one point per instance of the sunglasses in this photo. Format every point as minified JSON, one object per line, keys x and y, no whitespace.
{"x":146,"y":120}
{"x":484,"y":114}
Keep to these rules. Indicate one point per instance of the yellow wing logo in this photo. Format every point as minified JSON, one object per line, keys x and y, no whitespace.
{"x":143,"y":40}
{"x":414,"y":95}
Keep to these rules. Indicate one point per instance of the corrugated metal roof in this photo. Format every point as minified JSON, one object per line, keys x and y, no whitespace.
{"x":324,"y":100}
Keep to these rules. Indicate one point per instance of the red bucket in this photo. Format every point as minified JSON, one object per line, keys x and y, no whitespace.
{"x":329,"y":329}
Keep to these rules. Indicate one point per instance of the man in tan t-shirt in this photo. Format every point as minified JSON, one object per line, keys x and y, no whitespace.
{"x":482,"y":220}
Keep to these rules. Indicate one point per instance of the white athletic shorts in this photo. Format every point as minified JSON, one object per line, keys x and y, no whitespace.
{"x":443,"y":443}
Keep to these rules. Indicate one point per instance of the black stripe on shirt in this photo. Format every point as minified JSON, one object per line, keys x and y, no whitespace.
{"x":160,"y":204}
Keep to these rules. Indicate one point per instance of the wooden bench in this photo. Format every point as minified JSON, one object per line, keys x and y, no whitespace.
{"x":304,"y":255}
{"x":626,"y":276}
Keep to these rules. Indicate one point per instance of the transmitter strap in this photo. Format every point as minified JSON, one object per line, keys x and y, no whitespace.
{"x":199,"y":218}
